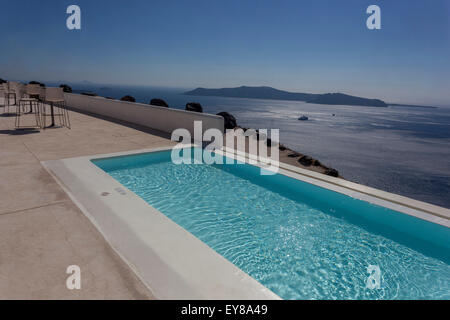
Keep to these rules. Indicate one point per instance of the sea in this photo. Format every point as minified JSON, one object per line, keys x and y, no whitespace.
{"x":403,"y":150}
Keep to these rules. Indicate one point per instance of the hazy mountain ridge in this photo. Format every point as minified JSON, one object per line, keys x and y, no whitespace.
{"x":275,"y":94}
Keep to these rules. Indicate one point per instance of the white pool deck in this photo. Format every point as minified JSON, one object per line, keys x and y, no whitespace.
{"x":57,"y":209}
{"x":42,"y":231}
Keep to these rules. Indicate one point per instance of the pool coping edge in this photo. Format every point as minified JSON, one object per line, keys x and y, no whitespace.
{"x":187,"y":278}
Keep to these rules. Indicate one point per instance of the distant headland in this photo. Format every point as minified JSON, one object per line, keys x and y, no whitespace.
{"x":275,"y":94}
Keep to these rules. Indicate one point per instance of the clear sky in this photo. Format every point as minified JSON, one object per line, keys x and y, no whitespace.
{"x":306,"y":46}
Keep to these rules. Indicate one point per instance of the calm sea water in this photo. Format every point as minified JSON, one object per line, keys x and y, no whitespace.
{"x":404,"y":150}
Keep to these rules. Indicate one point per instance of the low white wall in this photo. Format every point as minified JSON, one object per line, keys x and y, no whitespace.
{"x":160,"y":118}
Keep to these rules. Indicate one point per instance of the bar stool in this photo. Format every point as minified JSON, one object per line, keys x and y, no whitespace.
{"x":21,"y":101}
{"x":55,"y":96}
{"x":9,"y":92}
{"x":33,"y":91}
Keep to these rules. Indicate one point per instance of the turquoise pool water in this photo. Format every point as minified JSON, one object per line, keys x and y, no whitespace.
{"x":299,"y":240}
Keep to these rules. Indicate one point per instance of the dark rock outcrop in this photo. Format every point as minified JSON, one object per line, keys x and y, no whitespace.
{"x":66,"y":88}
{"x":229,"y":120}
{"x":293,"y":155}
{"x":128,"y":98}
{"x":305,"y":161}
{"x":332,"y":172}
{"x":159,"y":103}
{"x":281,"y":147}
{"x":194,"y":106}
{"x":37,"y":82}
{"x":2,"y":81}
{"x":88,"y":93}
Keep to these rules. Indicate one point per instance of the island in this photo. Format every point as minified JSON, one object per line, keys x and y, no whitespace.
{"x":275,"y":94}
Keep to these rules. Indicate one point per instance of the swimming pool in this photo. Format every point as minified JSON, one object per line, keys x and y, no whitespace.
{"x":297,"y":239}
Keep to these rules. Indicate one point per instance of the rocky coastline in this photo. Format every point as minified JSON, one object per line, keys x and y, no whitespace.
{"x":293,"y":157}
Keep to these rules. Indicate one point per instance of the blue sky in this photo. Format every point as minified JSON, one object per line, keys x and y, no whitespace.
{"x":305,"y":46}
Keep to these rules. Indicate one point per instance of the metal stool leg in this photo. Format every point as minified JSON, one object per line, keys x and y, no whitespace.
{"x":4,"y":103}
{"x":37,"y":115}
{"x":7,"y":101}
{"x":43,"y":115}
{"x":61,"y":115}
{"x":67,"y":115}
{"x":18,"y":115}
{"x":63,"y":118}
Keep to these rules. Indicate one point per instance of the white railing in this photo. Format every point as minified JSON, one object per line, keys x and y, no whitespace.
{"x":159,"y":118}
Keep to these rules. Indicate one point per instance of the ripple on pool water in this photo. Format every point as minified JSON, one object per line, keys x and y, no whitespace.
{"x":296,"y":250}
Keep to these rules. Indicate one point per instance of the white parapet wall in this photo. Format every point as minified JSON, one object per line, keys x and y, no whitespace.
{"x":159,"y":118}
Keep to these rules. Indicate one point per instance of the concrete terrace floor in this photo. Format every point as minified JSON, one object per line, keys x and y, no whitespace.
{"x":42,"y":231}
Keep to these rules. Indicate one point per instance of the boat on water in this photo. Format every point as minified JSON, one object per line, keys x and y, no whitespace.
{"x":303,"y":118}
